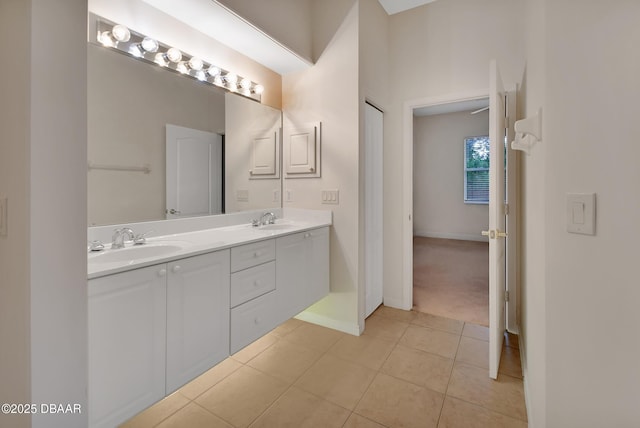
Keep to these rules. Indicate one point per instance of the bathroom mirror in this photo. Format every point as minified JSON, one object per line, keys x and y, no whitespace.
{"x":129,"y":105}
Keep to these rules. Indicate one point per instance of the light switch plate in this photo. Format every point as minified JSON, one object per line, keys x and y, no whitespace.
{"x":3,"y":216}
{"x":581,"y":213}
{"x":330,"y":197}
{"x":242,"y":195}
{"x":288,"y":195}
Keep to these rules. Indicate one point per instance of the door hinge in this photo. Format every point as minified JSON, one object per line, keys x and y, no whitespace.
{"x":506,"y":295}
{"x":506,"y":209}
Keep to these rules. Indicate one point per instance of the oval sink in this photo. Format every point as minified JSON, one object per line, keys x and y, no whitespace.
{"x":134,"y":253}
{"x":276,"y":226}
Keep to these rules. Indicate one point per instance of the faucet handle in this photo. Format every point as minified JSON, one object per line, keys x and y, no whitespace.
{"x":96,"y":246}
{"x":255,"y":222}
{"x":141,"y":238}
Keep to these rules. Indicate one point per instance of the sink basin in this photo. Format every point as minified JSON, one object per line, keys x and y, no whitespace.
{"x":276,"y":226}
{"x":131,"y":254}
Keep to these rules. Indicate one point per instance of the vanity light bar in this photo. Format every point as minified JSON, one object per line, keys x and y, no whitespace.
{"x":125,"y":40}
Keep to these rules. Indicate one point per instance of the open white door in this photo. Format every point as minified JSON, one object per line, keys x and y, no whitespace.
{"x":496,"y":232}
{"x":373,"y":139}
{"x":194,"y":172}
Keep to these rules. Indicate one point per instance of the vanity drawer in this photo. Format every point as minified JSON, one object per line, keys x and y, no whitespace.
{"x":246,"y":256}
{"x":252,"y":320}
{"x":253,"y":282}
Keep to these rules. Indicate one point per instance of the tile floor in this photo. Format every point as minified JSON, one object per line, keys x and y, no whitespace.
{"x":408,"y":369}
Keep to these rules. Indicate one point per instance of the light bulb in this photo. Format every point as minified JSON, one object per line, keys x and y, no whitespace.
{"x":174,"y":55}
{"x":195,"y":63}
{"x":258,"y":89}
{"x":136,"y":51}
{"x":149,"y":44}
{"x":218,"y":80}
{"x":245,"y":84}
{"x":121,"y":33}
{"x":182,"y":67}
{"x":160,"y":60}
{"x":105,"y":38}
{"x":231,"y":80}
{"x":214,"y":71}
{"x":201,"y":75}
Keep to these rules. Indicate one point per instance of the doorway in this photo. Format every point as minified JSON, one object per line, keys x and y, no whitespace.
{"x":450,"y":208}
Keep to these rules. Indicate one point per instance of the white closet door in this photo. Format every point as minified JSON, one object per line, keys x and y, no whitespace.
{"x":373,"y":140}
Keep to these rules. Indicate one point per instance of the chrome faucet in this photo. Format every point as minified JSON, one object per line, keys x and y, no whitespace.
{"x":267,"y":218}
{"x":117,"y":241}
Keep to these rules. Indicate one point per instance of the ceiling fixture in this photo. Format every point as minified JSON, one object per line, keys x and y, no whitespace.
{"x":148,"y":49}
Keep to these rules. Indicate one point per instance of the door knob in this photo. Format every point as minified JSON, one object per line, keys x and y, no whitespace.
{"x":173,"y":211}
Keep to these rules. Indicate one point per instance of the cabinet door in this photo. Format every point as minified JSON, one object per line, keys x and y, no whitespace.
{"x":127,"y":333}
{"x":291,"y":275}
{"x":317,"y":246}
{"x":197,"y":316}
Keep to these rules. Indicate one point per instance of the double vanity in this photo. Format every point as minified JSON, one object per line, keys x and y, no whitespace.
{"x":191,"y":293}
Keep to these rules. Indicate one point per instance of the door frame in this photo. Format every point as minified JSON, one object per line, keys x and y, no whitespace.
{"x":407,"y":180}
{"x":407,"y":196}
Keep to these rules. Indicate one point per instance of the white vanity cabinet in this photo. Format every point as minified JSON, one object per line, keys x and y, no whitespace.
{"x":302,"y":271}
{"x":197,"y":316}
{"x":151,"y":330}
{"x":127,"y":340}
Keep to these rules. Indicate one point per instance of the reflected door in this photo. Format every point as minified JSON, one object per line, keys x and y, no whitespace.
{"x":194,"y":172}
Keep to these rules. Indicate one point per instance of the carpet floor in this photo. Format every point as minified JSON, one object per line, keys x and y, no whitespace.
{"x":451,"y":279}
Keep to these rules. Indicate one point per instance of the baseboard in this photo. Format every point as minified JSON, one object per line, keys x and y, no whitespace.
{"x":445,"y":235}
{"x":396,"y":303}
{"x":343,"y":326}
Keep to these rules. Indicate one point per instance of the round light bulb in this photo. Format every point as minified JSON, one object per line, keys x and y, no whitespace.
{"x":105,"y":38}
{"x":182,"y":67}
{"x":245,"y":84}
{"x":149,"y":44}
{"x":201,"y":75}
{"x":218,"y":80}
{"x":160,"y":60}
{"x":136,"y":51}
{"x":214,"y":71}
{"x":231,"y":78}
{"x":195,"y":63}
{"x":121,"y":33}
{"x":174,"y":55}
{"x":258,"y":89}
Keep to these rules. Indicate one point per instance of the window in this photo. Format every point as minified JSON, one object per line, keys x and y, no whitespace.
{"x":476,"y":170}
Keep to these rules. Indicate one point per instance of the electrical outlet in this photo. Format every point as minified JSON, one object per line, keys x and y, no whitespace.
{"x":3,"y":216}
{"x":289,"y":195}
{"x":276,"y":195}
{"x":331,"y":197}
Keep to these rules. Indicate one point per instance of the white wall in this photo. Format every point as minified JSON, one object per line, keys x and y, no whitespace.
{"x":592,"y":370}
{"x":15,"y":168}
{"x":439,"y":210}
{"x":129,"y":104}
{"x":438,"y":49}
{"x":328,"y":92}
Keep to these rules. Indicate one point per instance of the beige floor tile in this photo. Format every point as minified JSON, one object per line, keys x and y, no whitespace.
{"x":242,"y":396}
{"x":394,"y":402}
{"x":476,"y":331}
{"x":158,"y":412}
{"x":460,"y":414}
{"x":287,"y":327}
{"x":438,"y":323}
{"x":419,"y":367}
{"x":396,"y":314}
{"x":504,"y":395}
{"x":193,"y":416}
{"x":314,"y":336}
{"x":253,"y":349}
{"x":210,"y":378}
{"x":298,"y":409}
{"x":368,"y":351}
{"x":510,"y":362}
{"x":474,"y":352}
{"x":285,"y":360}
{"x":336,"y":380}
{"x":430,"y":340}
{"x":357,"y":421}
{"x":384,"y":328}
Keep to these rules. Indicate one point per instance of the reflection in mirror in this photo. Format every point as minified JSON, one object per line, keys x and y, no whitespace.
{"x":130,"y":103}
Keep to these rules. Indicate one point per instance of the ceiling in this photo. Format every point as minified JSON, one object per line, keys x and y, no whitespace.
{"x":454,"y":107}
{"x":395,"y":6}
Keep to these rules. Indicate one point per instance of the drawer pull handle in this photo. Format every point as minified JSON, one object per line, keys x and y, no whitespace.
{"x":176,"y":268}
{"x":256,"y":254}
{"x":256,"y":321}
{"x":307,"y":235}
{"x":256,"y":283}
{"x":162,"y":272}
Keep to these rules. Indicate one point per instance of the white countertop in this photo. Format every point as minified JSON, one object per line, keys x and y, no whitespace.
{"x":174,"y":246}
